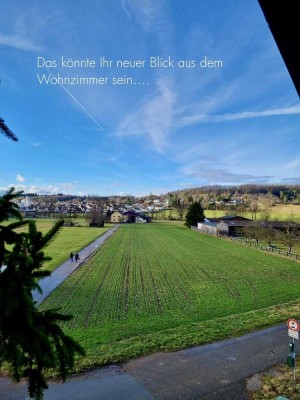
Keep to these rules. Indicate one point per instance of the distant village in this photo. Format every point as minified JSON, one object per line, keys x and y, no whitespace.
{"x":116,"y":209}
{"x":232,"y":200}
{"x":238,"y":220}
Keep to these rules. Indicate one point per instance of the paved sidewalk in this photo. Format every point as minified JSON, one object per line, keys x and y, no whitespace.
{"x":211,"y":372}
{"x":61,"y":273}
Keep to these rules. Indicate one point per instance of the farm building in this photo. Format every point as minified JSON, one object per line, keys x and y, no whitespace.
{"x":129,"y":216}
{"x":233,"y":228}
{"x":117,"y":217}
{"x":210,"y":225}
{"x":135,"y":217}
{"x":228,"y":218}
{"x":231,"y":225}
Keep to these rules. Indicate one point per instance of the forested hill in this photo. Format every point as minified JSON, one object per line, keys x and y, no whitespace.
{"x":279,"y":192}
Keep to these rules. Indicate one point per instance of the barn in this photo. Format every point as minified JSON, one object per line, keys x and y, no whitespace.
{"x":210,"y":225}
{"x":233,"y":228}
{"x":135,"y":217}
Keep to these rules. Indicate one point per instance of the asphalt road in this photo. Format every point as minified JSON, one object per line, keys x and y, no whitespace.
{"x":61,"y":273}
{"x":211,"y":372}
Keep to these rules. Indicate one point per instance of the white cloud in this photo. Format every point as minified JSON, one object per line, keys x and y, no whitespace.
{"x":154,"y":17}
{"x":291,"y":171}
{"x":20,"y":178}
{"x":18,"y":42}
{"x":221,"y":175}
{"x":154,"y":119}
{"x":291,"y":181}
{"x":63,"y":187}
{"x":293,"y":164}
{"x":205,"y":118}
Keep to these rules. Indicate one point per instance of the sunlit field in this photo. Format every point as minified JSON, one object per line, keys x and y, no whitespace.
{"x":161,"y":286}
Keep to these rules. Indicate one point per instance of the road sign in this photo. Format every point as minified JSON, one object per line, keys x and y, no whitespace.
{"x":293,"y":328}
{"x":293,"y":334}
{"x":293,"y":325}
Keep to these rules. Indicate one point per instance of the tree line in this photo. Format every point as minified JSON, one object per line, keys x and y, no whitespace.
{"x":288,"y":235}
{"x":210,"y":195}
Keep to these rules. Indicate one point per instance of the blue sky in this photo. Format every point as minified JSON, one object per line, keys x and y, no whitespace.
{"x":186,"y":127}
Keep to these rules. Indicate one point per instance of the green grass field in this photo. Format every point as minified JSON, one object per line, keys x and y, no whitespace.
{"x":163,"y":287}
{"x":68,"y":239}
{"x":71,"y":239}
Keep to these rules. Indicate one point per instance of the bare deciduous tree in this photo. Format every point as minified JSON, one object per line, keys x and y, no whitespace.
{"x":268,"y":234}
{"x":95,"y":215}
{"x":254,"y":231}
{"x":290,"y":235}
{"x":253,"y":209}
{"x":179,"y":205}
{"x":265,"y":214}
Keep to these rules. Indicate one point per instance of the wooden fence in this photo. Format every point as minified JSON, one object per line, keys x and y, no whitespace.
{"x":271,"y":249}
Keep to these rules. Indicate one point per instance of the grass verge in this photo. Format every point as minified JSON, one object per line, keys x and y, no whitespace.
{"x":278,"y":381}
{"x":104,"y":345}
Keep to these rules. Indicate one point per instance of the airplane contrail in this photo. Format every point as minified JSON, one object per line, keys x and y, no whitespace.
{"x":80,"y":105}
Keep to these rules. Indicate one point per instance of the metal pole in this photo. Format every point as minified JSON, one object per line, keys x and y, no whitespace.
{"x":295,"y":361}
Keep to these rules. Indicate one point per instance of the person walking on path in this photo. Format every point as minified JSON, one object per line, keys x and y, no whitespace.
{"x":71,"y":256}
{"x":64,"y":270}
{"x":77,"y":257}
